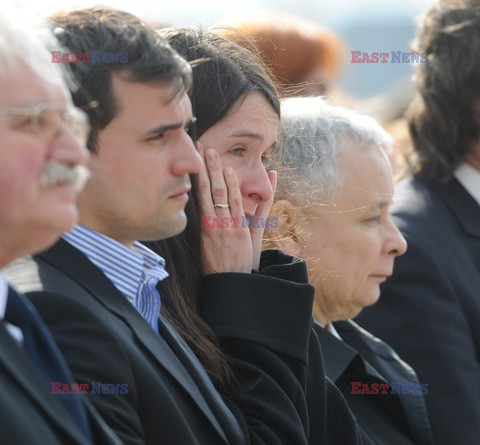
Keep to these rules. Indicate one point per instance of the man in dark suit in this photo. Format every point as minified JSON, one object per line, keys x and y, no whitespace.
{"x":96,"y":287}
{"x":41,"y":151}
{"x":353,"y":358}
{"x":429,"y":310}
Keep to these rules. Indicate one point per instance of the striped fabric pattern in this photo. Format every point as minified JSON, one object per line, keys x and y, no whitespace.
{"x":134,"y":272}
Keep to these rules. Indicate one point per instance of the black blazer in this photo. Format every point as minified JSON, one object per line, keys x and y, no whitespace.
{"x":170,"y":399}
{"x":360,"y":357}
{"x":429,"y":310}
{"x":29,"y":413}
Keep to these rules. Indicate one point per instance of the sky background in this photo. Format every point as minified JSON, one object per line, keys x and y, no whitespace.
{"x":364,"y":25}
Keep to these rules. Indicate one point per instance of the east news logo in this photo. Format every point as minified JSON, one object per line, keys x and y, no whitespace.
{"x":84,"y":388}
{"x":92,"y":57}
{"x":397,"y":57}
{"x":383,"y":388}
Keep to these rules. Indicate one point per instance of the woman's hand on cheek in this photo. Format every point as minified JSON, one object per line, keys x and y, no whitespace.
{"x":227,"y":246}
{"x":261,"y":215}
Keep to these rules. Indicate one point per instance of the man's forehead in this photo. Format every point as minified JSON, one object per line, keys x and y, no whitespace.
{"x":157,"y":95}
{"x":170,"y":90}
{"x":24,"y":88}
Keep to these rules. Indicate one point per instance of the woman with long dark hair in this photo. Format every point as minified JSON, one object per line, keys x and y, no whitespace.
{"x":224,"y":74}
{"x":263,"y":300}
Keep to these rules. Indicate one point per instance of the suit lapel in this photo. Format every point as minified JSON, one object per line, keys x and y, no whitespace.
{"x":101,"y":431}
{"x":73,"y":263}
{"x":202,"y":381}
{"x":337,"y":354}
{"x":389,"y":364}
{"x":464,"y":208}
{"x":18,"y":366}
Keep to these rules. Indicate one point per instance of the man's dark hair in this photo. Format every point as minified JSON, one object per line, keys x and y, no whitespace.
{"x":150,"y":59}
{"x":444,"y":117}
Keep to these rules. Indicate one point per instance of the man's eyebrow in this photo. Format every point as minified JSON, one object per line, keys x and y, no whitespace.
{"x":247,"y":134}
{"x":384,"y":203}
{"x":381,"y":204}
{"x":172,"y":126}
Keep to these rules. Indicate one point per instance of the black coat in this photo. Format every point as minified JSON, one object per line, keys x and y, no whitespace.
{"x":170,"y":399}
{"x":342,"y":426}
{"x":360,"y":357}
{"x":29,"y":413}
{"x":330,"y":419}
{"x":429,"y":310}
{"x":268,"y":311}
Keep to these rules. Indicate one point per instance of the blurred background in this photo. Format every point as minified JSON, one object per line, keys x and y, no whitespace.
{"x":367,"y":26}
{"x":333,"y":28}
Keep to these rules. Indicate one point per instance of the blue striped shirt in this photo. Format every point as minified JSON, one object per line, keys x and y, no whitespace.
{"x":134,"y":272}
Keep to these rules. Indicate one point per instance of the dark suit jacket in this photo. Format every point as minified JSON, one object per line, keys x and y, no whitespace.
{"x":170,"y":399}
{"x":360,"y":357}
{"x":429,"y":310}
{"x":29,"y":413}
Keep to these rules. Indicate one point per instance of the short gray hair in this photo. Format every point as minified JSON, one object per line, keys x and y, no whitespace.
{"x":314,"y":135}
{"x":26,"y":41}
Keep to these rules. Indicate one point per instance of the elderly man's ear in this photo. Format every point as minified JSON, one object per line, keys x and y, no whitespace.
{"x":286,"y":234}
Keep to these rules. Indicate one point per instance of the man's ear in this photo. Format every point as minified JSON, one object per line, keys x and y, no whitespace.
{"x":284,"y":232}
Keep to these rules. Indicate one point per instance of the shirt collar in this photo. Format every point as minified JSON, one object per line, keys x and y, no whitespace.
{"x":333,"y":331}
{"x":330,"y":328}
{"x":123,"y":266}
{"x":3,"y":295}
{"x":469,"y":177}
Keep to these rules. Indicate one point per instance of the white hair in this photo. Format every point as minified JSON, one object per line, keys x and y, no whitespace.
{"x":26,"y":42}
{"x":314,"y":135}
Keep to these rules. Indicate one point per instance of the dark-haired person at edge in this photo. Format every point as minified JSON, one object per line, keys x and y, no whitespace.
{"x":96,"y":288}
{"x":429,"y":310}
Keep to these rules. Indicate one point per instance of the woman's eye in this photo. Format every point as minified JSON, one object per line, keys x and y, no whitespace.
{"x":238,"y":151}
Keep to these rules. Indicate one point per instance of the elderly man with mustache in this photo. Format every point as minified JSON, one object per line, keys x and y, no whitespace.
{"x":41,"y":156}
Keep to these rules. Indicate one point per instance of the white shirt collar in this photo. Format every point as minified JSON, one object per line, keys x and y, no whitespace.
{"x":330,"y":328}
{"x":333,"y":331}
{"x":469,"y":177}
{"x":3,"y":295}
{"x":14,"y":331}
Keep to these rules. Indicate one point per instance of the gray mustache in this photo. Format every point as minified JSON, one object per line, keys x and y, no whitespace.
{"x":57,"y":173}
